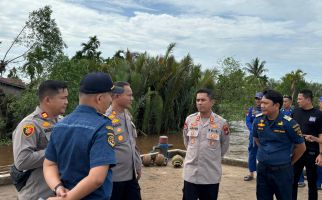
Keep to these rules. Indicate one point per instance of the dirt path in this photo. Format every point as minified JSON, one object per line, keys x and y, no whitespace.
{"x":165,"y":183}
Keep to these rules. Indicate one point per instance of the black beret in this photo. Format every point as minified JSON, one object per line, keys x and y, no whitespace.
{"x":98,"y":82}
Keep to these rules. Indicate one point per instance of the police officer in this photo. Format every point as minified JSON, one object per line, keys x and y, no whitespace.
{"x":80,"y":153}
{"x":275,"y":134}
{"x":31,"y":136}
{"x":310,"y":121}
{"x":206,"y":137}
{"x":252,"y":147}
{"x":127,"y":172}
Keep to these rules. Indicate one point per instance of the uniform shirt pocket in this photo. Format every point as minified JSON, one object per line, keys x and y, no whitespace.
{"x":193,"y":136}
{"x":213,"y":139}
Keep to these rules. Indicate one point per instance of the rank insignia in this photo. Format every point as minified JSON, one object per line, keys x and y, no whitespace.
{"x":110,"y":139}
{"x":120,"y":138}
{"x":28,"y":130}
{"x":115,"y":121}
{"x":288,"y":118}
{"x":46,"y":124}
{"x":44,"y":115}
{"x":280,"y":123}
{"x":111,"y":116}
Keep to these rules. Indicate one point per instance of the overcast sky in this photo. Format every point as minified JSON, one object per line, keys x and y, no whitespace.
{"x":287,"y":34}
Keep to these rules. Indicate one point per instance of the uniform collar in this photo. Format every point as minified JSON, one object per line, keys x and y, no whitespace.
{"x":41,"y":113}
{"x":278,"y":118}
{"x":85,"y":108}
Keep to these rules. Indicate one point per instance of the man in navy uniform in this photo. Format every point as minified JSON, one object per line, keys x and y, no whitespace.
{"x":252,"y":147}
{"x":276,"y":134}
{"x":80,"y":153}
{"x":287,"y":108}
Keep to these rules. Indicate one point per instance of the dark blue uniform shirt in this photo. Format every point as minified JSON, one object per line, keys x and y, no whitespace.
{"x":276,"y":138}
{"x":252,"y":112}
{"x":79,"y":142}
{"x":287,"y":112}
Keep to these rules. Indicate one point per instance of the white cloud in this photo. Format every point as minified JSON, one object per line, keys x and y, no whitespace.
{"x":208,"y":30}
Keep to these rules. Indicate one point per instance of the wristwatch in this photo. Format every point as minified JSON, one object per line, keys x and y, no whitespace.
{"x":57,"y":186}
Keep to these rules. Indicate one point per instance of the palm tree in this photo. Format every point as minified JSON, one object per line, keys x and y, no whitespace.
{"x":256,"y":68}
{"x":295,"y":78}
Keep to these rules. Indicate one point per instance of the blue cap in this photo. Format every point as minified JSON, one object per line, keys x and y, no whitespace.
{"x":259,"y":95}
{"x":98,"y":82}
{"x":321,"y":98}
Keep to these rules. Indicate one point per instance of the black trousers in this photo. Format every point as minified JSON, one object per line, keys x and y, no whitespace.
{"x":307,"y":160}
{"x":126,"y":190}
{"x":193,"y":191}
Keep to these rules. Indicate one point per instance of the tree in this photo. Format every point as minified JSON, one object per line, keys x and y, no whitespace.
{"x":43,"y":42}
{"x":292,"y":82}
{"x":256,"y":69}
{"x":89,"y":50}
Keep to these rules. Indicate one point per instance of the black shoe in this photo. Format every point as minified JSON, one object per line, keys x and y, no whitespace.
{"x":248,"y":178}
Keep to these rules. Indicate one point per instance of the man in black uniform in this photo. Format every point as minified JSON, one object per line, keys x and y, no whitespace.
{"x":310,"y":121}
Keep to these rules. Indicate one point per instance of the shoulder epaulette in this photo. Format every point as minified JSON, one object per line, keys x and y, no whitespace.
{"x":260,"y":114}
{"x":194,"y":114}
{"x":288,"y":118}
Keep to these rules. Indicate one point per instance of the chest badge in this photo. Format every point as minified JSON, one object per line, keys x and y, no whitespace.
{"x":46,"y":124}
{"x":261,"y":123}
{"x":312,"y":119}
{"x":120,"y":138}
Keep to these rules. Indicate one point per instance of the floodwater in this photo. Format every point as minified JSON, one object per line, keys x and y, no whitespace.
{"x":237,"y":149}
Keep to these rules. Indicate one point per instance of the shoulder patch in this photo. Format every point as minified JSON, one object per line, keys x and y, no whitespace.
{"x":288,"y":118}
{"x":110,"y":139}
{"x":28,"y":130}
{"x":260,"y":114}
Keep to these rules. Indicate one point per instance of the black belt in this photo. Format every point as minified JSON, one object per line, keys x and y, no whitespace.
{"x":275,"y":167}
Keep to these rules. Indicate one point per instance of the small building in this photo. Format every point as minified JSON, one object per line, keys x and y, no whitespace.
{"x":11,"y":86}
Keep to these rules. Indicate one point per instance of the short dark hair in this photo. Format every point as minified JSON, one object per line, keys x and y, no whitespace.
{"x":274,"y":96}
{"x":209,"y":92}
{"x":288,"y":96}
{"x":307,"y":94}
{"x":121,"y":84}
{"x":50,"y":88}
